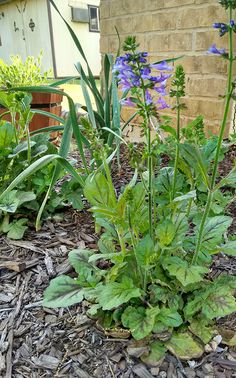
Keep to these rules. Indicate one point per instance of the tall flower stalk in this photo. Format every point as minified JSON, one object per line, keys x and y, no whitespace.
{"x":177,"y":91}
{"x":223,"y":29}
{"x":139,"y":80}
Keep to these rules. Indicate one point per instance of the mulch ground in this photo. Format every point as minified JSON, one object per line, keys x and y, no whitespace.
{"x":38,"y":342}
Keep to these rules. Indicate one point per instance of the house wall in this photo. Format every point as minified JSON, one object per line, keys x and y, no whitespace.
{"x":66,"y":53}
{"x":170,"y":28}
{"x":16,"y":36}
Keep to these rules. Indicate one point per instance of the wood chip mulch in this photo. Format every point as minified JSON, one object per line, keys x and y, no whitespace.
{"x":38,"y":342}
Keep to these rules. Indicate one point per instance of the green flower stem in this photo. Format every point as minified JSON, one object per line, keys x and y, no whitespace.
{"x":150,"y":199}
{"x":177,"y":148}
{"x":220,"y":138}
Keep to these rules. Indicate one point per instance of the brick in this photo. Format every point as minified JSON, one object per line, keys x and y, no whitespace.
{"x":205,"y":64}
{"x":209,"y":108}
{"x":104,"y":45}
{"x":104,"y":10}
{"x":107,"y":27}
{"x":205,"y":39}
{"x":205,"y":87}
{"x":142,"y":22}
{"x":177,"y":3}
{"x":200,"y":17}
{"x":163,"y":21}
{"x":117,"y":8}
{"x":124,"y":25}
{"x":170,"y":42}
{"x":132,"y":6}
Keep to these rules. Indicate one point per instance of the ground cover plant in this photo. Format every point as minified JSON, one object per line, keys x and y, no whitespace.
{"x":150,"y":276}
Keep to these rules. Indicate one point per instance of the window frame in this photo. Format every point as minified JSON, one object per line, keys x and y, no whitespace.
{"x":98,"y":18}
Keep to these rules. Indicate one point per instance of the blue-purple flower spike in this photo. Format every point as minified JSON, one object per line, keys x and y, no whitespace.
{"x":213,"y":50}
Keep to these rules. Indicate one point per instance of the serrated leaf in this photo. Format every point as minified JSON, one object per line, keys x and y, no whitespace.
{"x":201,"y":329}
{"x":156,"y":355}
{"x":79,"y":259}
{"x":184,"y":273}
{"x":17,"y":229}
{"x":63,"y":291}
{"x":212,"y":302}
{"x":183,"y":346}
{"x":115,"y":294}
{"x":144,"y":251}
{"x":214,"y":228}
{"x":139,"y":320}
{"x":169,"y":317}
{"x":164,"y":181}
{"x":165,"y":232}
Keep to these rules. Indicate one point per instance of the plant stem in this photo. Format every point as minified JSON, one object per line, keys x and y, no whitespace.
{"x":150,"y":182}
{"x":177,"y":148}
{"x":220,"y":138}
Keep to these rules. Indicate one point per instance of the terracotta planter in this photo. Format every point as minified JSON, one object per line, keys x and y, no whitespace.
{"x":49,"y":102}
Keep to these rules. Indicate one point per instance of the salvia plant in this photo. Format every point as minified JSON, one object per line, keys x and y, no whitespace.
{"x":150,"y":277}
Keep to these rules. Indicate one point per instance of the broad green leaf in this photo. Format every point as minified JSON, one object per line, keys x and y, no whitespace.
{"x":79,"y":259}
{"x":165,"y":232}
{"x":97,"y":191}
{"x":229,"y":180}
{"x":164,"y":181}
{"x":7,"y":134}
{"x":229,"y":248}
{"x":63,"y":291}
{"x":184,"y":273}
{"x":144,"y":251}
{"x":169,"y":317}
{"x":216,"y":300}
{"x":115,"y":294}
{"x":201,"y":329}
{"x":25,"y":197}
{"x":214,"y":228}
{"x":184,"y":197}
{"x":17,"y":229}
{"x":139,"y":320}
{"x":156,"y":355}
{"x":183,"y":346}
{"x":193,"y":157}
{"x":10,"y":202}
{"x":169,"y":129}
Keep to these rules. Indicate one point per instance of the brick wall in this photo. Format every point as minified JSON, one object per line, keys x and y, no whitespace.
{"x":169,"y":28}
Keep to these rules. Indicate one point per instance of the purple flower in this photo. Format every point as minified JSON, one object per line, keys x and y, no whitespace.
{"x":160,"y":79}
{"x":163,"y":66}
{"x":145,"y":73}
{"x":161,"y":89}
{"x":127,"y":102}
{"x":232,"y":23}
{"x":214,"y":50}
{"x":223,"y":28}
{"x":163,"y":104}
{"x":148,"y":98}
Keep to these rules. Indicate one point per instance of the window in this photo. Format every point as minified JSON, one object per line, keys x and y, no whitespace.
{"x":93,"y":18}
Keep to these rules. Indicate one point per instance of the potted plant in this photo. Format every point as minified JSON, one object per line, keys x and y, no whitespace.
{"x":27,"y":73}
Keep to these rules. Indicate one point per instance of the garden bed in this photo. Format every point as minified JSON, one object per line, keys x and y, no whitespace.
{"x":39,"y":342}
